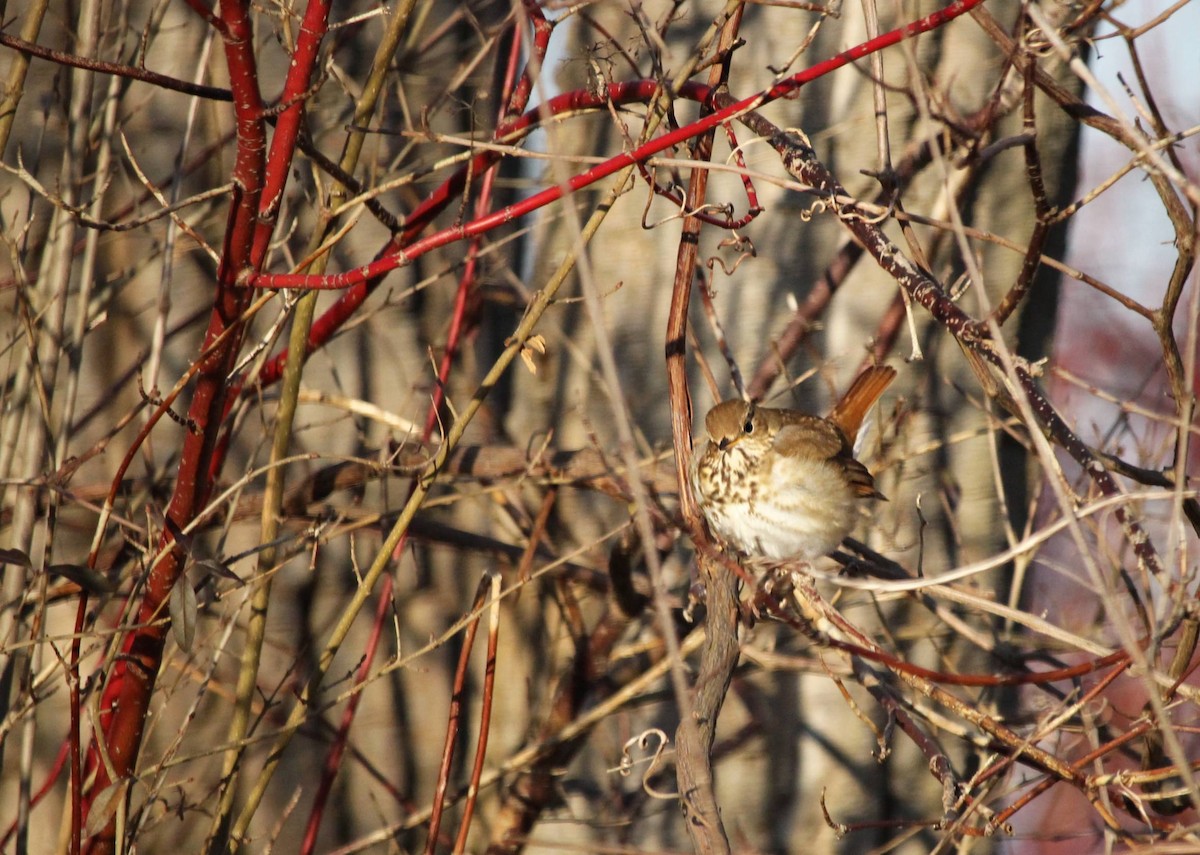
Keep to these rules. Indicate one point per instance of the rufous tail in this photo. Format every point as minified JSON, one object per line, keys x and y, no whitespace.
{"x":849,"y":412}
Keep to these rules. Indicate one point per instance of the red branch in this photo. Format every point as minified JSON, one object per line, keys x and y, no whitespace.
{"x":459,"y":322}
{"x":259,"y":181}
{"x":400,"y":251}
{"x":126,"y":698}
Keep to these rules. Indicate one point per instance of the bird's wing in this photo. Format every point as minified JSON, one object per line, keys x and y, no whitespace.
{"x":810,"y":436}
{"x":821,"y":439}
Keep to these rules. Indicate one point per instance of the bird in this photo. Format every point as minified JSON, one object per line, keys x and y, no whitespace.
{"x":781,"y":484}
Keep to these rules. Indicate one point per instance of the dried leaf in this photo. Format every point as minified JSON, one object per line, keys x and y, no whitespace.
{"x":184,"y":540}
{"x":534,"y":342}
{"x":219,"y":568}
{"x":183,"y":613}
{"x":104,"y":807}
{"x":16,"y":556}
{"x":7,"y":675}
{"x":85,"y":577}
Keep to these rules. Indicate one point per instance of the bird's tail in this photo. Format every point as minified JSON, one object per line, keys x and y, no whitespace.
{"x":850,"y":411}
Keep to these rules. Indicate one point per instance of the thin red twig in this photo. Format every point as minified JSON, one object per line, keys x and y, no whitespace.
{"x":485,"y":720}
{"x":459,"y":323}
{"x":125,"y":701}
{"x":337,"y":749}
{"x":614,"y":93}
{"x":455,"y":715}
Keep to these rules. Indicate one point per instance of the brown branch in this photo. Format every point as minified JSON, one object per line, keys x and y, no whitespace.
{"x":1183,"y":220}
{"x":801,"y":162}
{"x":162,"y":81}
{"x":1041,"y":206}
{"x":584,"y":468}
{"x":694,"y":738}
{"x":457,"y":698}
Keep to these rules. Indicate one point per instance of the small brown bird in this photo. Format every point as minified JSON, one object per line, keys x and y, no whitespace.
{"x":781,"y":484}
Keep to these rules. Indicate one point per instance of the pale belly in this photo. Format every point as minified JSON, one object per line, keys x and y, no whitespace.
{"x":806,"y":516}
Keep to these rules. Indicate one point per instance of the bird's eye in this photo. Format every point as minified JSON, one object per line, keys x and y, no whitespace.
{"x":748,"y":427}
